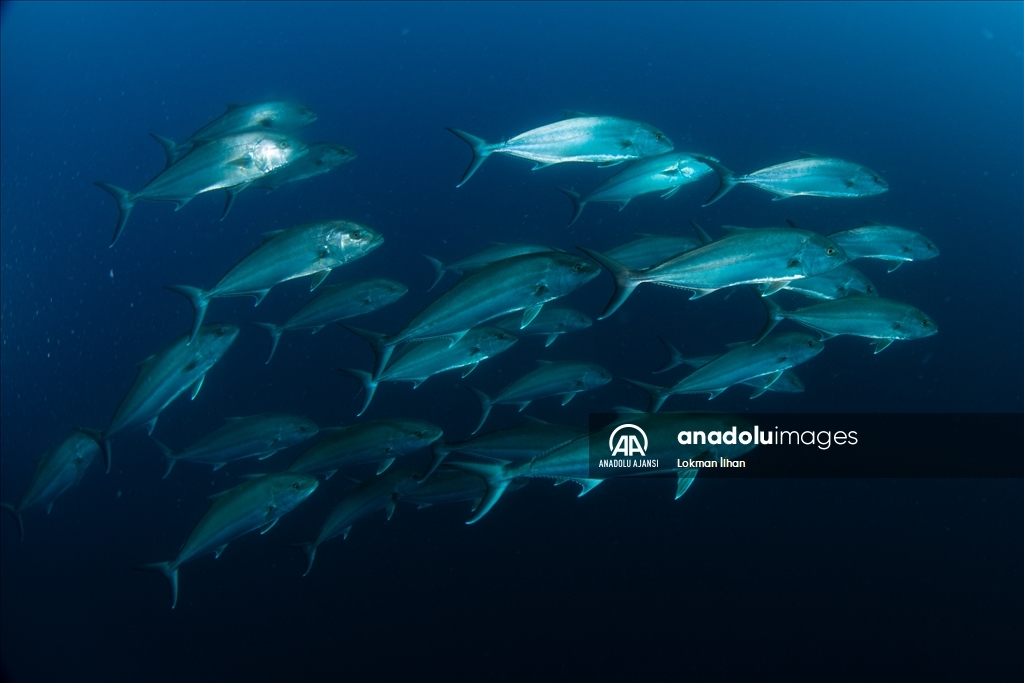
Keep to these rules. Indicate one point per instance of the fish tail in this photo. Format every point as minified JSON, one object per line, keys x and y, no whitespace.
{"x":98,"y":436}
{"x":775,"y":314}
{"x":309,"y":550}
{"x":675,"y":359}
{"x":275,"y":335}
{"x":485,"y":407}
{"x":440,"y":451}
{"x":168,"y":455}
{"x":439,"y":270}
{"x":125,"y":204}
{"x":172,"y":150}
{"x":657,"y":394}
{"x":578,"y":202}
{"x":169,"y":572}
{"x":684,"y":480}
{"x":726,"y":178}
{"x":17,"y":518}
{"x":626,"y":280}
{"x":199,"y":299}
{"x":481,"y":150}
{"x":382,"y":349}
{"x":497,"y":483}
{"x":369,"y":386}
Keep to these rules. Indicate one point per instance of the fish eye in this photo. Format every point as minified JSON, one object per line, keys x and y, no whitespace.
{"x":830,"y":251}
{"x":783,"y":359}
{"x":577,"y":267}
{"x":659,"y":136}
{"x":284,"y":145}
{"x":896,"y":326}
{"x":810,"y":344}
{"x":295,"y":486}
{"x":219,"y":332}
{"x":924,"y":322}
{"x":356,"y":234}
{"x":870,"y":288}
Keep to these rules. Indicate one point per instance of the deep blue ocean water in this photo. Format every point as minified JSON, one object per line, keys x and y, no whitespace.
{"x":755,"y":580}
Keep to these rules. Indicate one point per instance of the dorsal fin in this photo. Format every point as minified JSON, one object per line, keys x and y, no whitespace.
{"x":267,"y":236}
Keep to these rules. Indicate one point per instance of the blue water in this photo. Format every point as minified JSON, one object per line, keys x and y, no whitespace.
{"x":774,"y":580}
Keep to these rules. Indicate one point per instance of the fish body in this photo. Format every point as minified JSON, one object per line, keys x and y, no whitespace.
{"x":885,"y":242}
{"x":745,"y":256}
{"x":521,"y":283}
{"x":789,"y":382}
{"x":738,"y":365}
{"x":551,"y":322}
{"x":452,"y":486}
{"x":810,"y":175}
{"x":313,"y":249}
{"x":835,"y":284}
{"x":56,"y":471}
{"x":165,"y":375}
{"x":420,"y":361}
{"x":244,"y":437}
{"x":214,"y":165}
{"x":665,"y":173}
{"x":594,"y":139}
{"x":872,"y":317}
{"x":336,"y":303}
{"x":254,"y":504}
{"x":562,"y":378}
{"x":649,"y":250}
{"x":485,"y":257}
{"x":375,"y":441}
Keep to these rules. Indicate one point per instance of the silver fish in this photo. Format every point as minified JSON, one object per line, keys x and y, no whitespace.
{"x":244,"y":437}
{"x":241,"y":118}
{"x":551,"y":322}
{"x":744,"y":256}
{"x":860,"y":316}
{"x":561,"y":378}
{"x":885,"y":242}
{"x":336,"y":303}
{"x":789,"y":382}
{"x":810,"y":175}
{"x":255,"y":504}
{"x":165,"y":375}
{"x":474,"y":262}
{"x":606,"y":140}
{"x":57,"y":470}
{"x":452,"y":486}
{"x":214,"y":165}
{"x":665,"y":173}
{"x":772,"y":356}
{"x":835,"y":284}
{"x":376,"y":441}
{"x":314,"y":249}
{"x":521,"y":283}
{"x":649,"y":250}
{"x":422,"y":360}
{"x":368,"y":497}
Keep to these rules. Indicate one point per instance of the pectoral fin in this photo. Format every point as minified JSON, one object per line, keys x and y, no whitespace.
{"x":469,"y":368}
{"x":218,"y":551}
{"x":384,"y":464}
{"x":894,"y":265}
{"x":568,"y":397}
{"x":882,"y":344}
{"x":195,"y":390}
{"x":529,"y":314}
{"x":268,"y":526}
{"x":318,"y":278}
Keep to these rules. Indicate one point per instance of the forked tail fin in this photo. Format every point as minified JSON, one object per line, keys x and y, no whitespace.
{"x":481,"y":150}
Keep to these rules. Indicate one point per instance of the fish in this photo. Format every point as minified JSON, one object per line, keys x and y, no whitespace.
{"x":474,"y":262}
{"x":875,"y":318}
{"x":420,"y":361}
{"x":885,"y":242}
{"x":243,"y":437}
{"x":789,"y":382}
{"x":571,"y":461}
{"x":336,"y":303}
{"x":649,"y":250}
{"x":771,"y":356}
{"x":313,"y":249}
{"x":366,"y":498}
{"x":560,"y":378}
{"x":321,"y":158}
{"x":57,"y":470}
{"x":665,"y":173}
{"x":606,"y":140}
{"x":811,"y":175}
{"x":214,"y":165}
{"x":520,"y":283}
{"x":254,"y":504}
{"x":375,"y":441}
{"x":521,"y":443}
{"x":834,"y":284}
{"x":551,"y":322}
{"x":452,"y":486}
{"x":241,"y":118}
{"x":744,"y":256}
{"x":164,"y":376}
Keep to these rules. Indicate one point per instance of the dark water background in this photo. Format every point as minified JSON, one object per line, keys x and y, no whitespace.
{"x":773,"y":580}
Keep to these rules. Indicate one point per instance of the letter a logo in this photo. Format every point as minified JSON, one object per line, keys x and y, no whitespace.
{"x":627,"y":445}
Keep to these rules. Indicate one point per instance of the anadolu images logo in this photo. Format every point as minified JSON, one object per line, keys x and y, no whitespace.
{"x":627,"y":445}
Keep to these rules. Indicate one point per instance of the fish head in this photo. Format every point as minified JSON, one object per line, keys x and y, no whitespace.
{"x":494,"y":340}
{"x":866,"y":182}
{"x":568,"y":272}
{"x":648,"y":141}
{"x":919,"y":248}
{"x":291,"y":488}
{"x":332,"y":155}
{"x":346,"y":241}
{"x":797,"y":347}
{"x":576,"y":321}
{"x":914,"y":324}
{"x":280,"y":115}
{"x":270,"y":151}
{"x":857,"y":282}
{"x":818,"y":254}
{"x":595,"y":377}
{"x":303,"y":428}
{"x":420,"y":433}
{"x":214,"y":339}
{"x":789,"y":383}
{"x":384,"y":292}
